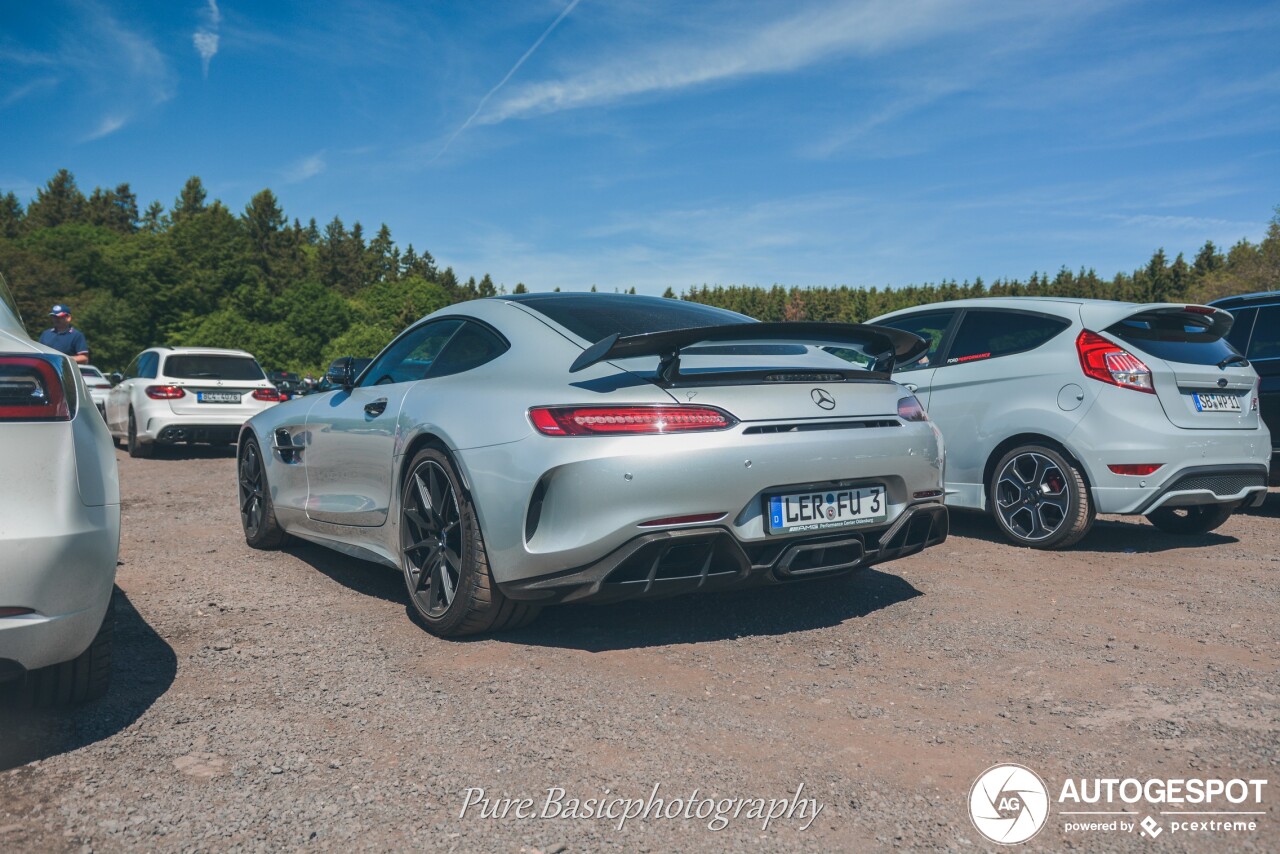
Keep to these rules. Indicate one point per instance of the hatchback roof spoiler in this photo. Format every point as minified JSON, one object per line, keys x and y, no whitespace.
{"x":886,"y":346}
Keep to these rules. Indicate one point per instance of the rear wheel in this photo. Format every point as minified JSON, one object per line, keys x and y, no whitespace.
{"x":1040,"y":499}
{"x":1188,"y":521}
{"x":446,"y":569}
{"x":83,"y":678}
{"x":137,"y":449}
{"x":257,"y":512}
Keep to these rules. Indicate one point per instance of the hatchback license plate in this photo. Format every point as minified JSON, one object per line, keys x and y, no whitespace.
{"x":822,"y":510}
{"x":218,"y":396}
{"x":1216,"y":402}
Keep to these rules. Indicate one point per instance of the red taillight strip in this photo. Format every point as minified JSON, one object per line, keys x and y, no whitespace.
{"x":47,"y":400}
{"x":164,"y":392}
{"x":267,"y":394}
{"x":615,"y":420}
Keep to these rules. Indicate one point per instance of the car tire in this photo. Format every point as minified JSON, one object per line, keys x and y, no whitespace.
{"x":85,"y":677}
{"x":453,"y":596}
{"x":1040,"y":499}
{"x":257,"y":512}
{"x":1189,"y":521}
{"x":137,"y":448}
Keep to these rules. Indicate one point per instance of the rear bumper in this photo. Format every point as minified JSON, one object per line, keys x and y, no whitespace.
{"x":668,"y":563}
{"x":1211,"y":485}
{"x":64,"y":574}
{"x":217,"y":434}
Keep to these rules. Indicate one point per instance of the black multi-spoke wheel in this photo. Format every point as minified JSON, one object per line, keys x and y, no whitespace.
{"x":1189,"y":521}
{"x":1040,"y":499}
{"x":446,"y":569}
{"x":257,"y":515}
{"x":431,"y":539}
{"x":137,"y":448}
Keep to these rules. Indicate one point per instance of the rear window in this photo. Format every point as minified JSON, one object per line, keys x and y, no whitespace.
{"x":1192,"y":339}
{"x":986,"y":334}
{"x":596,"y":316}
{"x":1266,"y":334}
{"x":90,"y":372}
{"x":211,"y":367}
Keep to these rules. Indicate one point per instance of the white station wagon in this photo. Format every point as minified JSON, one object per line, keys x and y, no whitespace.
{"x":169,"y":395}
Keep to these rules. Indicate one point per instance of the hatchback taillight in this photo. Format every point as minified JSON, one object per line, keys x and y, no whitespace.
{"x":270,"y":394}
{"x":1111,"y":363}
{"x":164,"y":392}
{"x":613,"y":420}
{"x":31,"y":390}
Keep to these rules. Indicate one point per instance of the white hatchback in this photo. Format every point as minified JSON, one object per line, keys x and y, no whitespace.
{"x":171,"y":395}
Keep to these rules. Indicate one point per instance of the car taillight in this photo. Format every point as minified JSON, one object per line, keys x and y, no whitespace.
{"x":31,"y":390}
{"x":267,"y":394}
{"x":1257,"y":392}
{"x":612,"y":420}
{"x":1111,"y":363}
{"x":909,"y":409}
{"x":1136,"y":469}
{"x":164,"y":392}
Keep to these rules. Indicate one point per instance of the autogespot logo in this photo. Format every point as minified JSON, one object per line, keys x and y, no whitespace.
{"x":1008,"y":804}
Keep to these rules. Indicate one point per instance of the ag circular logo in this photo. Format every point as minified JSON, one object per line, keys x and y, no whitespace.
{"x":1008,"y":804}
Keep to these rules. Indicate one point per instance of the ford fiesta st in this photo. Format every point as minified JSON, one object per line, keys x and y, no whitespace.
{"x":517,"y":451}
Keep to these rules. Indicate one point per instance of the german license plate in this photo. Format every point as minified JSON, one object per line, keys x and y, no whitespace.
{"x":218,"y":396}
{"x":1216,"y":402}
{"x":822,"y":510}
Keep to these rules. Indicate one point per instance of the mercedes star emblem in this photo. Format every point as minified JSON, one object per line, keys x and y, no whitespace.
{"x":823,"y":398}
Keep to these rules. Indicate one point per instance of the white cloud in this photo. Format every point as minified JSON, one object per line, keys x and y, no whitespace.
{"x":813,"y":35}
{"x":307,"y":167}
{"x":205,"y":38}
{"x":109,"y":125}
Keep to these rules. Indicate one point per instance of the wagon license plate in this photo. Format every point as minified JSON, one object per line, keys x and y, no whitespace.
{"x":819,"y":511}
{"x":218,"y":396}
{"x":1216,"y":402}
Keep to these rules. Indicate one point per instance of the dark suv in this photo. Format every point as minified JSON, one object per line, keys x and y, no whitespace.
{"x":1256,"y":334}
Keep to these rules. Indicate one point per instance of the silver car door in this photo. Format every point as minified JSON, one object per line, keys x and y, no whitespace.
{"x":351,"y":434}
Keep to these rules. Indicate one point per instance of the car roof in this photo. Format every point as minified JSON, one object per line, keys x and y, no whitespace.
{"x":1239,"y":300}
{"x":201,"y":351}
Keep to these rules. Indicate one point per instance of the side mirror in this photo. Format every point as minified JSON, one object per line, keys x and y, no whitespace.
{"x":342,"y":373}
{"x":116,"y":378}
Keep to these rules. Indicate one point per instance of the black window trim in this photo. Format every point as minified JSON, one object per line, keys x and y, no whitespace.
{"x":948,"y":338}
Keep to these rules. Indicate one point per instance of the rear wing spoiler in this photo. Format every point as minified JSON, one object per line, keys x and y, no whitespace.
{"x":1101,"y":315}
{"x":887,"y":347}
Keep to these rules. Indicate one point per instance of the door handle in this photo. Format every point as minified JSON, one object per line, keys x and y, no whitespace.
{"x":373,"y":410}
{"x":910,"y":386}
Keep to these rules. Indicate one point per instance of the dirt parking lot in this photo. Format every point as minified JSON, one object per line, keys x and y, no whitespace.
{"x":281,"y":701}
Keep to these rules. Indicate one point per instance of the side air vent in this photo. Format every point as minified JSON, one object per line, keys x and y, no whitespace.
{"x":806,"y":426}
{"x":285,"y":447}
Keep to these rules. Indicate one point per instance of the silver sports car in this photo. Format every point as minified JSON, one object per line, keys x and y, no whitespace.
{"x":511,"y":452}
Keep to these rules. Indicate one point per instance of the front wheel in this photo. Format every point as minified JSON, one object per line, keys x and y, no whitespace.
{"x":1040,"y":498}
{"x":1189,"y":521}
{"x":446,"y":569}
{"x":257,"y":512}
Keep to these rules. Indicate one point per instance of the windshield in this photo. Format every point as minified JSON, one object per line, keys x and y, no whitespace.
{"x":209,"y":367}
{"x":87,"y":371}
{"x":6,"y":298}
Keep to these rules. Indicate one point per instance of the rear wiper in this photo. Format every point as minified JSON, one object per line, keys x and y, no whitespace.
{"x":1234,"y":359}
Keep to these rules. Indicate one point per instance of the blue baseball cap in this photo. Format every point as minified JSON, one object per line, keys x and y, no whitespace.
{"x":60,"y":310}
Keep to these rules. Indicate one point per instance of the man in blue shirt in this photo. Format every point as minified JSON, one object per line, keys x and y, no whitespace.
{"x":64,"y":337}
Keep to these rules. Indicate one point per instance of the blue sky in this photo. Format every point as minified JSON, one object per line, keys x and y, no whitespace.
{"x":654,"y":143}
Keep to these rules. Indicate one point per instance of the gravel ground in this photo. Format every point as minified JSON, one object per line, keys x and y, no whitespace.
{"x":280,"y":701}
